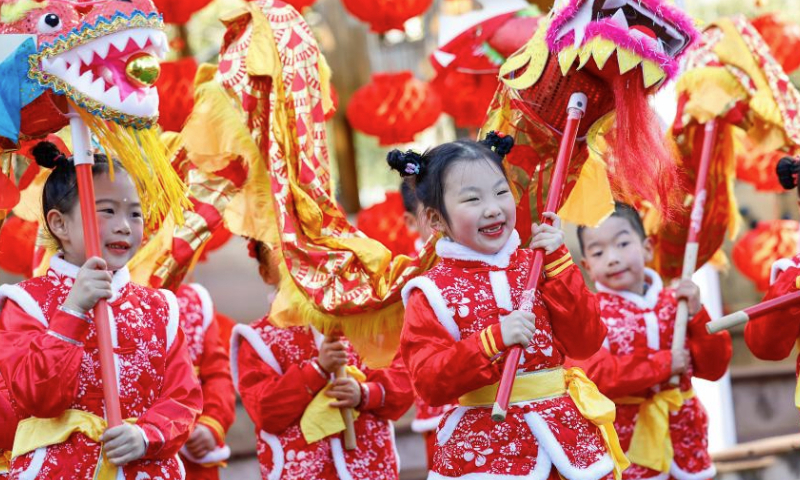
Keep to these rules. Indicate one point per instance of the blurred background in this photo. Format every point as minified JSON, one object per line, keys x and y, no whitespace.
{"x":753,"y":405}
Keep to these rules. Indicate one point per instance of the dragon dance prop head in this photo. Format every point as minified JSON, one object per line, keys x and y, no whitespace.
{"x":731,"y":76}
{"x":617,"y":52}
{"x":98,"y":59}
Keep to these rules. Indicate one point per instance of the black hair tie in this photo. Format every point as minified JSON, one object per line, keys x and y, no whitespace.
{"x":408,"y":164}
{"x":787,"y":170}
{"x":499,"y":142}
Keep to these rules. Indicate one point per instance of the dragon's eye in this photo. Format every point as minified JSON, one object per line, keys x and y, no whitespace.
{"x":49,"y":23}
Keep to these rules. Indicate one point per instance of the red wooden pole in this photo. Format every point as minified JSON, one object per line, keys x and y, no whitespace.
{"x":692,"y":242}
{"x":575,"y":111}
{"x":84,"y":159}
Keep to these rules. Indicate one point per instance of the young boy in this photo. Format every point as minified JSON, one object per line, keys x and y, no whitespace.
{"x":635,"y":364}
{"x":279,"y":371}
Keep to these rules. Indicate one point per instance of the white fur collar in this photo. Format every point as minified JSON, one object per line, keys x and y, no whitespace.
{"x":648,"y":300}
{"x":120,"y":279}
{"x":447,"y":248}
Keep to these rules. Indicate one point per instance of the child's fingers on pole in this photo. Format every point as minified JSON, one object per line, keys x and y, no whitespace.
{"x":96,"y":263}
{"x":555,"y":218}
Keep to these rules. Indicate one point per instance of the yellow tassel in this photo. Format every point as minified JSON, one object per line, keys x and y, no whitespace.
{"x":143,"y":156}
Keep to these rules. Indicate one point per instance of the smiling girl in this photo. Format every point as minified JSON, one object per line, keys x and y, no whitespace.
{"x":463,"y":315}
{"x":50,"y":360}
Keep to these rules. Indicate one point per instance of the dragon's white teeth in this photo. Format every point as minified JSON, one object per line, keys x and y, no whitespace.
{"x":150,"y":103}
{"x":578,"y":24}
{"x":130,"y":103}
{"x":158,"y":39}
{"x":98,"y":86}
{"x":59,"y":66}
{"x":120,"y":40}
{"x":140,"y":37}
{"x":84,"y":83}
{"x":101,"y":47}
{"x":111,"y":96}
{"x":162,"y":43}
{"x":74,"y":71}
{"x":86,"y":53}
{"x":609,"y":4}
{"x":619,"y":19}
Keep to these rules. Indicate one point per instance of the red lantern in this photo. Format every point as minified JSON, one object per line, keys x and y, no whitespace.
{"x":385,"y":15}
{"x":783,"y":38}
{"x":384,"y":222}
{"x":466,"y":96}
{"x":394,"y":107}
{"x":17,"y":239}
{"x":467,"y":66}
{"x":299,"y":5}
{"x":176,"y":93}
{"x":758,"y":249}
{"x":179,"y":11}
{"x":758,"y":169}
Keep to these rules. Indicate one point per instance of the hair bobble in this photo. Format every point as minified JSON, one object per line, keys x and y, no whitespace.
{"x":409,"y":163}
{"x":787,"y":171}
{"x":48,"y":155}
{"x":61,"y":159}
{"x":499,"y":142}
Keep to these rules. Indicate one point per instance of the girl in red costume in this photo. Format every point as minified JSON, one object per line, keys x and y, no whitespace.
{"x":205,"y":451}
{"x":281,"y":371}
{"x":463,"y":315}
{"x":50,"y":360}
{"x":773,"y":336}
{"x":426,"y":417}
{"x":663,"y":427}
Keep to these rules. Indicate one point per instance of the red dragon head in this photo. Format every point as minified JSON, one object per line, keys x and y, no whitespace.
{"x":617,"y":52}
{"x":100,"y":54}
{"x":100,"y":59}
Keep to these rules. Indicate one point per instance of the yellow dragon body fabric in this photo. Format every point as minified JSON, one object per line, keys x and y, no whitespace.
{"x":257,"y":138}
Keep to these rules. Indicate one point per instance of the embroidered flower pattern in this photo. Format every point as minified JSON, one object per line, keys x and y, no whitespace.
{"x":142,"y":363}
{"x":479,"y":445}
{"x":627,"y":333}
{"x":374,"y":457}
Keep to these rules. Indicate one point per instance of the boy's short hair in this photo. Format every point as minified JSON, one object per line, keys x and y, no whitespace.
{"x":626,"y":212}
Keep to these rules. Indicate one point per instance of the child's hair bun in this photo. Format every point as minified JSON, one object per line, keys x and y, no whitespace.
{"x":48,"y":155}
{"x":409,"y":163}
{"x":787,"y":170}
{"x":499,"y":142}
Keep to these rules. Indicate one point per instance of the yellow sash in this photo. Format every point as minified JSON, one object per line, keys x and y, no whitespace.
{"x":33,"y":433}
{"x":592,"y":404}
{"x":319,"y":419}
{"x":651,"y":444}
{"x":5,"y":461}
{"x":797,"y":394}
{"x":797,"y":345}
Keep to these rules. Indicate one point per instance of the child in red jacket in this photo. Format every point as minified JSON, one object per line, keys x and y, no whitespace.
{"x":635,"y":364}
{"x":205,"y":451}
{"x":280,"y":371}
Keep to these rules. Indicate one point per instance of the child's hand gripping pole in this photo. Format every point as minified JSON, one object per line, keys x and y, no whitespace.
{"x":750,"y":313}
{"x":347,"y":416}
{"x":84,"y":159}
{"x":692,"y":242}
{"x":575,"y":110}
